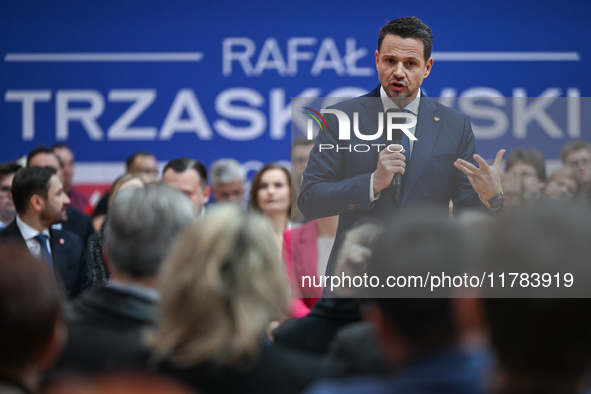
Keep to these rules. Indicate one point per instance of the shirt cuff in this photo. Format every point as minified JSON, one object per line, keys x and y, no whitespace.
{"x":372,"y":198}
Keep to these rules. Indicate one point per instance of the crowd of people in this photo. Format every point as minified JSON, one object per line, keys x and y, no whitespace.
{"x":367,"y":285}
{"x":162,"y":284}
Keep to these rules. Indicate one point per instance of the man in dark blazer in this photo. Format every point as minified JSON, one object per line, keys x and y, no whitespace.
{"x":40,"y":202}
{"x":77,"y":222}
{"x":106,"y":325}
{"x":439,"y":166}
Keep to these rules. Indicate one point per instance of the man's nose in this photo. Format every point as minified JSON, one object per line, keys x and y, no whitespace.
{"x":398,"y":71}
{"x":66,"y":199}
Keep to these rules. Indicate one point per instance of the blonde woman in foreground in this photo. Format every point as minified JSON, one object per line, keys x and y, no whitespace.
{"x":221,"y":286}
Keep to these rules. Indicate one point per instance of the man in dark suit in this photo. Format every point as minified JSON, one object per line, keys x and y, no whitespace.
{"x":437,"y":167}
{"x":40,"y":202}
{"x":77,"y":222}
{"x":106,"y":325}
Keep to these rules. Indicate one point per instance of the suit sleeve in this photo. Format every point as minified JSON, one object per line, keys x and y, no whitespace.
{"x":327,"y":189}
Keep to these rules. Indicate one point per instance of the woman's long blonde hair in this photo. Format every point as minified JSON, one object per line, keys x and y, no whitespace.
{"x":221,"y":286}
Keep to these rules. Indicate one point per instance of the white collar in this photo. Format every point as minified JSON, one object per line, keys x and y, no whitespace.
{"x":29,"y":232}
{"x":413,"y":106}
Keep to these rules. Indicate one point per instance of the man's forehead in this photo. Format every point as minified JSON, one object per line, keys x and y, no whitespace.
{"x":45,"y":159}
{"x":235,"y":184}
{"x":7,"y":179}
{"x":395,"y":39}
{"x":522,"y":166}
{"x":189,"y":175}
{"x":66,"y":152}
{"x":143,"y":157}
{"x":582,"y":152}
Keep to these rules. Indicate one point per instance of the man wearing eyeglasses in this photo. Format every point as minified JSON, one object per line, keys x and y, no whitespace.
{"x":577,"y":154}
{"x":7,"y":211}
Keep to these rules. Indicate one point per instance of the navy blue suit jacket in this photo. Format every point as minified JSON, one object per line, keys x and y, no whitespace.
{"x":69,"y":259}
{"x":449,"y":371}
{"x":338,"y":183}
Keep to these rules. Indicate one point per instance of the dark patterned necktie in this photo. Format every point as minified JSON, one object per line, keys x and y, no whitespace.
{"x":45,"y":255}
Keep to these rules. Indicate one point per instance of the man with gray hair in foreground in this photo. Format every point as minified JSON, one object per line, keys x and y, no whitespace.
{"x":106,"y":325}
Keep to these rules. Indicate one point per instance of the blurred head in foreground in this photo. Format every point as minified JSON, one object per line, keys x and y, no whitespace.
{"x":543,"y":343}
{"x":32,"y":331}
{"x":221,"y":286}
{"x":417,"y":242}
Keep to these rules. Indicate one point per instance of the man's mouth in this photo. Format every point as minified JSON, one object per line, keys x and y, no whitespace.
{"x":398,"y":86}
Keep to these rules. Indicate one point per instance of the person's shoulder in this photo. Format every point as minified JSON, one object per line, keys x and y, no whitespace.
{"x":10,"y":231}
{"x":442,"y":109}
{"x":358,"y":385}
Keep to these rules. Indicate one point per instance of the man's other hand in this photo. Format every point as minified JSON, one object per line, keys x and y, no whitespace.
{"x":485,"y":180}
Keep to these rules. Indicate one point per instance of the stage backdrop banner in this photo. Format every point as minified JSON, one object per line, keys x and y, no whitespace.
{"x":216,"y":79}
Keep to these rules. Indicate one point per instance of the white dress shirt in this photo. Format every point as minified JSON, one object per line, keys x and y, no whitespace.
{"x":29,"y":234}
{"x":413,"y":108}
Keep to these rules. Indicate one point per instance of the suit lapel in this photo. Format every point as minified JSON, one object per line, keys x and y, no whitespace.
{"x":59,"y":253}
{"x":426,"y":133}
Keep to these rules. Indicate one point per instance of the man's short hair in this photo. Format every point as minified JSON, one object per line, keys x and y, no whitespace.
{"x":546,"y":337}
{"x":8,"y":169}
{"x":302,"y":141}
{"x":29,"y":181}
{"x":143,"y":223}
{"x":533,"y":157}
{"x":129,"y":161}
{"x":572,"y":146}
{"x":44,"y":149}
{"x":414,"y":243}
{"x":409,"y":27}
{"x":183,"y":164}
{"x":226,"y":171}
{"x":60,"y":146}
{"x":30,"y":307}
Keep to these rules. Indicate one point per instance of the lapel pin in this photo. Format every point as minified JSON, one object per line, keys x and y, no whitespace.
{"x":436,"y":119}
{"x":62,"y":241}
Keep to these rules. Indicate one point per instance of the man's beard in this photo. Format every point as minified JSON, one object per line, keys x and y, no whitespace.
{"x":53,"y":216}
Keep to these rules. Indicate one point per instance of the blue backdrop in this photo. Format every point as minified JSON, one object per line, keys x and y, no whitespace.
{"x":215,"y":79}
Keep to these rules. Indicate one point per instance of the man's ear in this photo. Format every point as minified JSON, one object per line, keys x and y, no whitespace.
{"x":206,"y":194}
{"x":377,"y":53}
{"x":428,"y":66}
{"x":37,"y":202}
